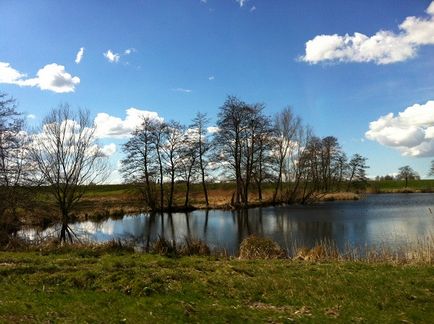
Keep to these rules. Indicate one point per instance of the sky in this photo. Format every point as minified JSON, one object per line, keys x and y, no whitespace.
{"x":362,"y":71}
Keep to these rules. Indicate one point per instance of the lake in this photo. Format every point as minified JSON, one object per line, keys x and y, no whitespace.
{"x":385,"y":219}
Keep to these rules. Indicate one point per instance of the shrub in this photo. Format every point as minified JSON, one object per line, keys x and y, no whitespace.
{"x":255,"y":247}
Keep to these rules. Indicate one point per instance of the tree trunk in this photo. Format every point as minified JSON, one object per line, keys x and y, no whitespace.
{"x":187,"y":192}
{"x":205,"y":190}
{"x":172,"y":188}
{"x":276,"y":189}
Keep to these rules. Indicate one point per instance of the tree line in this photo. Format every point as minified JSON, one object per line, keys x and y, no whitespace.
{"x":248,"y":148}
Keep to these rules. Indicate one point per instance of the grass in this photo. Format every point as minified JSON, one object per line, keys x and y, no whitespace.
{"x":109,"y":286}
{"x":426,"y":185}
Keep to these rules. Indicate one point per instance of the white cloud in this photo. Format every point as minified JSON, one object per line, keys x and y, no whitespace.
{"x":252,"y":9}
{"x":213,"y":129}
{"x":211,"y":77}
{"x":79,"y":55}
{"x":8,"y":74}
{"x":241,"y":2}
{"x":112,"y":57}
{"x":384,"y":47}
{"x":411,"y":131}
{"x":109,"y":150}
{"x":31,"y":116}
{"x":52,"y":77}
{"x":108,"y":126}
{"x":182,"y":90}
{"x":128,"y":51}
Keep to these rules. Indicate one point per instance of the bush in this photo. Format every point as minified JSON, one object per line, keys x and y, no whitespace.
{"x":255,"y":247}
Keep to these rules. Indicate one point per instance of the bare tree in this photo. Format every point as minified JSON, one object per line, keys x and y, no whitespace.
{"x":172,"y":155}
{"x":260,"y":147}
{"x":68,"y":158}
{"x":310,"y":168}
{"x":431,"y":169}
{"x":407,"y":173}
{"x":329,"y":157}
{"x":140,"y":165}
{"x":286,"y":127}
{"x":158,"y":137}
{"x":357,"y":170}
{"x":15,"y":166}
{"x":342,"y":169}
{"x":231,"y":119}
{"x":240,"y":144}
{"x":188,"y":160}
{"x":200,"y":123}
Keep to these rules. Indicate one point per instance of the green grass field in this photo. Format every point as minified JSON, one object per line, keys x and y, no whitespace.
{"x":119,"y":190}
{"x":110,"y":287}
{"x":426,"y":184}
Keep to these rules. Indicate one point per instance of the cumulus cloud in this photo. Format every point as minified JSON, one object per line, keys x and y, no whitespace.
{"x":9,"y":75}
{"x":411,"y":131}
{"x":79,"y":55}
{"x":252,"y":9}
{"x":108,"y":126}
{"x":384,"y":47}
{"x":211,"y":77}
{"x":31,"y":116}
{"x":111,"y":57}
{"x":52,"y":77}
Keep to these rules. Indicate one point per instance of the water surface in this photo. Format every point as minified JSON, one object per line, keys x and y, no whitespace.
{"x":388,"y":219}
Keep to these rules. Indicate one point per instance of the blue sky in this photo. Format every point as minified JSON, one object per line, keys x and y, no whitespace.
{"x":177,"y":57}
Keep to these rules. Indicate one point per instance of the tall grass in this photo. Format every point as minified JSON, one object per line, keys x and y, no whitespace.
{"x":421,"y":251}
{"x":252,"y":247}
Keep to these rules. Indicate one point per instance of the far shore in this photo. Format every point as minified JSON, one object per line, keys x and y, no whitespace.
{"x":104,"y":201}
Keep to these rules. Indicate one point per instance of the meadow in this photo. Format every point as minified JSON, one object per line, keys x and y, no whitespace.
{"x":100,"y":285}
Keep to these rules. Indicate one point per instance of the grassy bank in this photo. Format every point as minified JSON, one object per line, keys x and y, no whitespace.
{"x":112,"y":200}
{"x":87,"y":285}
{"x":397,"y":186}
{"x":103,"y":201}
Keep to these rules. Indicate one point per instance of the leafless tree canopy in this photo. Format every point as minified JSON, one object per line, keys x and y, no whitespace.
{"x":407,"y":173}
{"x":249,"y":148}
{"x":68,"y":158}
{"x":15,"y":166}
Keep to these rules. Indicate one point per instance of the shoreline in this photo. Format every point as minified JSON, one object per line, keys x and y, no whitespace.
{"x":111,"y":206}
{"x":107,"y":207}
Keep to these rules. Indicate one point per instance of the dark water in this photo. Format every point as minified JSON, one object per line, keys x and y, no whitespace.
{"x":389,"y":219}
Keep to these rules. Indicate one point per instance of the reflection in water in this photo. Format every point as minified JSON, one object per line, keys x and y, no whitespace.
{"x":389,"y":219}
